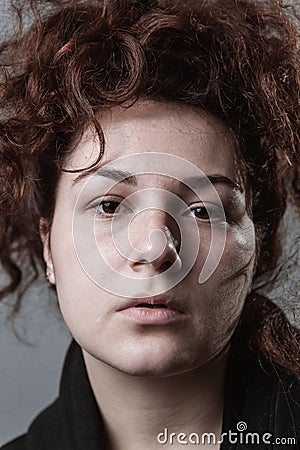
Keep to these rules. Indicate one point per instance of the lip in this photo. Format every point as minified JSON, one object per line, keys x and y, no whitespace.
{"x":169,"y":311}
{"x":160,"y":299}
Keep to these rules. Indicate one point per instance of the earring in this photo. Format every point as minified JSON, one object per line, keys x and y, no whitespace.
{"x":48,"y":272}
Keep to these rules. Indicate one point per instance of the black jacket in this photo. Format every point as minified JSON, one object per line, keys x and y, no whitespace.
{"x":264,"y":402}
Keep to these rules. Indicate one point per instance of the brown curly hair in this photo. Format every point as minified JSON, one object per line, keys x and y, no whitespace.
{"x":237,"y":59}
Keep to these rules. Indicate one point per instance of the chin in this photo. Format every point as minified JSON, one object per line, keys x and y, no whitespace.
{"x":150,"y":370}
{"x":158,"y":356}
{"x":155,"y":364}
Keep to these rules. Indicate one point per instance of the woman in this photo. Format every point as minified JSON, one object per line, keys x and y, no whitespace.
{"x":156,"y":243}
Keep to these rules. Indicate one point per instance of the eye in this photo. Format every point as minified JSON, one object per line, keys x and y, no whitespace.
{"x":201,"y":212}
{"x":110,"y":208}
{"x":207,"y":213}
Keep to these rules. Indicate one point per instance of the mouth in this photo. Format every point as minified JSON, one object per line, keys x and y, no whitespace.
{"x":155,"y":302}
{"x":154,"y":310}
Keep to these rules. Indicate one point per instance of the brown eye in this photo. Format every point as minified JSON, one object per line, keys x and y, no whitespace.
{"x":201,"y":213}
{"x":109,"y":207}
{"x":210,"y":213}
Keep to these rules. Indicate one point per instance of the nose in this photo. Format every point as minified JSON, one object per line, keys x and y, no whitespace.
{"x":155,"y":238}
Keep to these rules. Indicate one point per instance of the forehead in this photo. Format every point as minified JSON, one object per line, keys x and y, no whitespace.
{"x":167,"y":128}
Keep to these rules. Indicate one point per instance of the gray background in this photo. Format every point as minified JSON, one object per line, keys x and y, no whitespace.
{"x":29,"y":374}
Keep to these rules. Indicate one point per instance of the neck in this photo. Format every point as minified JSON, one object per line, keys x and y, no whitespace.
{"x":136,"y":409}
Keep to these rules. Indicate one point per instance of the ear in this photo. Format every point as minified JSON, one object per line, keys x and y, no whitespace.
{"x":45,"y":238}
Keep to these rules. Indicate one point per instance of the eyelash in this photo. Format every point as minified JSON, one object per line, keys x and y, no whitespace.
{"x":99,"y":214}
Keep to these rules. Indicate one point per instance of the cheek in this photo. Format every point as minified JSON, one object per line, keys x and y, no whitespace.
{"x":239,"y":253}
{"x":72,"y":283}
{"x":223,"y":294}
{"x":82,"y":301}
{"x":78,"y":297}
{"x":233,"y":276}
{"x":228,"y":252}
{"x":111,"y":246}
{"x":62,"y":248}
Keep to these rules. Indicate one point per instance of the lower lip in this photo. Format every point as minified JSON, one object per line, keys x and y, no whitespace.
{"x":151,"y":316}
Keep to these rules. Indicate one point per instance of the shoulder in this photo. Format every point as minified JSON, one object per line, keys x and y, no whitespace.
{"x":17,"y":444}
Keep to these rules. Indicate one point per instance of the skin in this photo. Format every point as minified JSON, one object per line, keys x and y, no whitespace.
{"x":148,"y":366}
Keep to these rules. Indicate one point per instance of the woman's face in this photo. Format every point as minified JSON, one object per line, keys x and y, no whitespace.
{"x":194,"y":320}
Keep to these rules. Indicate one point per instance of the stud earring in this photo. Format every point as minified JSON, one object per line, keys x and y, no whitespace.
{"x":48,"y":272}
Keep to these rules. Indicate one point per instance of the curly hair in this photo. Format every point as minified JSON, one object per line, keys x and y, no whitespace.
{"x":237,"y":59}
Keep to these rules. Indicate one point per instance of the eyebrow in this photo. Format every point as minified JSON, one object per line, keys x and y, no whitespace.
{"x":131,"y":180}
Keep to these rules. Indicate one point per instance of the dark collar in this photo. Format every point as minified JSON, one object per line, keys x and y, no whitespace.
{"x":261,"y":398}
{"x":73,"y":421}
